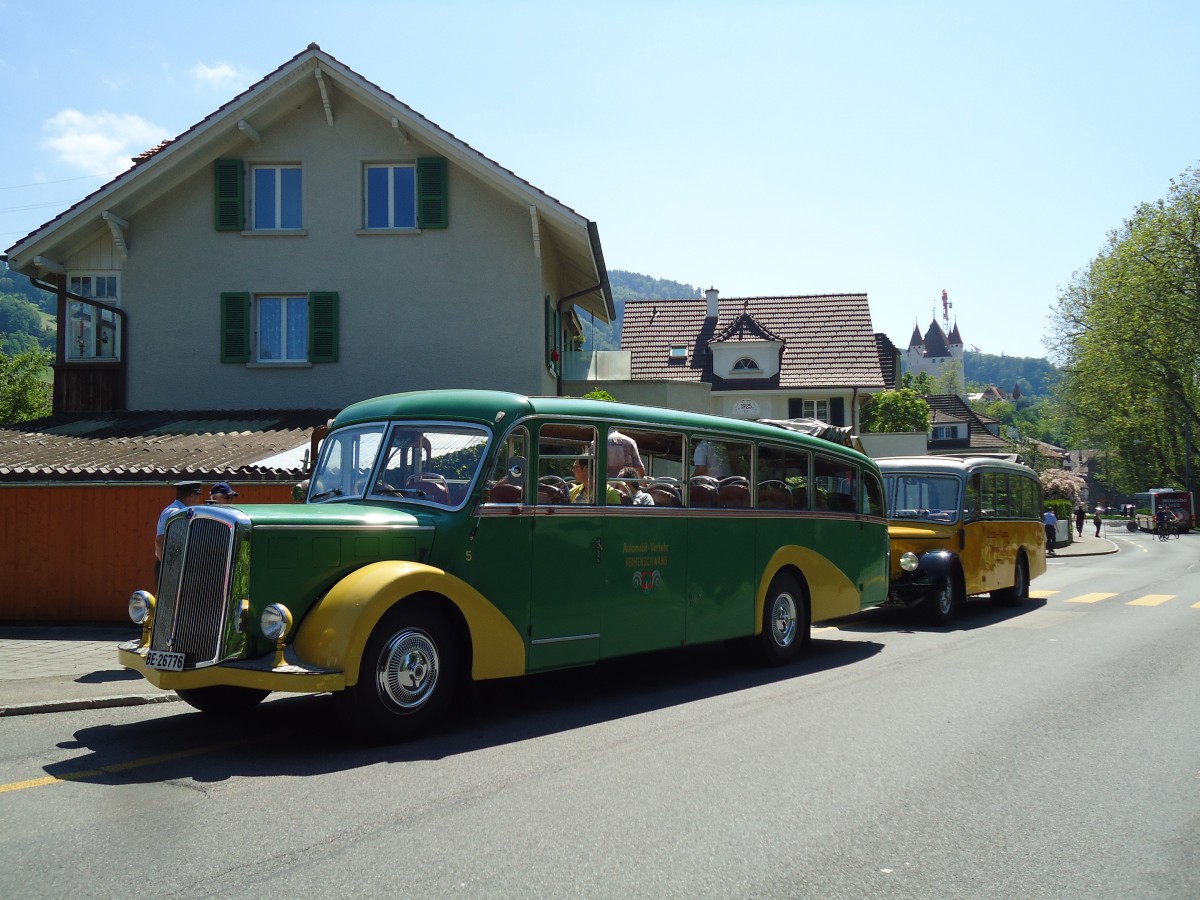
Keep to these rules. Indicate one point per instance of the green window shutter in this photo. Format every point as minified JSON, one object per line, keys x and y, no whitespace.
{"x":323,"y":327}
{"x":230,"y":207}
{"x":433,"y":199}
{"x":235,"y":328}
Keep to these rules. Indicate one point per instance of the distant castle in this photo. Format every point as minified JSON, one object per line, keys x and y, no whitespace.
{"x":933,"y":353}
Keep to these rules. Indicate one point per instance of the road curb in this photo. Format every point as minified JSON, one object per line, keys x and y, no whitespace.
{"x":50,"y":706}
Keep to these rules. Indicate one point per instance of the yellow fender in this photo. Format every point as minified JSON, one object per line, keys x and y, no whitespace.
{"x":334,"y":634}
{"x":830,"y":592}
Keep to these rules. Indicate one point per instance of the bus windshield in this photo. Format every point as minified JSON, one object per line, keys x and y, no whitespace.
{"x":431,"y":463}
{"x":930,"y":498}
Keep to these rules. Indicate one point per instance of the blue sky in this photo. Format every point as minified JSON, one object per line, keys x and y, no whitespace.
{"x":763,"y":148}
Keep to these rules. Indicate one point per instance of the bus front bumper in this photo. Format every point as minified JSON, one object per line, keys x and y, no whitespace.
{"x":293,"y":676}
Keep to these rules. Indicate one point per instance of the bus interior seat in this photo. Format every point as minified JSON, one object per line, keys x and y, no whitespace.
{"x":664,"y":495}
{"x":703,"y":492}
{"x":505,"y":492}
{"x":734,"y":492}
{"x":773,"y":495}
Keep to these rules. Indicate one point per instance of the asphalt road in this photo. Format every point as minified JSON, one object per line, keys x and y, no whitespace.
{"x":1046,"y":751}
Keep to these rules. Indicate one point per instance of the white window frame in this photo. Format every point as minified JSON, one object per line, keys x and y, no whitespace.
{"x":277,"y":212}
{"x":816,"y":409}
{"x":943,"y":433}
{"x":752,"y":369}
{"x":390,"y":168}
{"x":259,"y":308}
{"x":83,"y":319}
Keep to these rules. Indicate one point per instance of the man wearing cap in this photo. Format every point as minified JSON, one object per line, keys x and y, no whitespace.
{"x":187,"y":493}
{"x":221,"y":493}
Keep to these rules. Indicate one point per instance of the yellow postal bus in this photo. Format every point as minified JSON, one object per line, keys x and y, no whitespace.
{"x":962,"y":526}
{"x":451,"y":535}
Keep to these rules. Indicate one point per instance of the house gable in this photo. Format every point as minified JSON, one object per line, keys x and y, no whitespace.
{"x":457,"y":297}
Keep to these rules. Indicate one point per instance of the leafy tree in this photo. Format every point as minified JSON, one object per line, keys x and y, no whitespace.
{"x":24,"y":394}
{"x":1126,"y":331}
{"x":900,"y":410}
{"x":21,"y":326}
{"x":599,"y":394}
{"x":921,"y":383}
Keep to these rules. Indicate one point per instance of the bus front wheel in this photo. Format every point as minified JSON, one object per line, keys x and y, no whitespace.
{"x":408,"y":675}
{"x":785,"y":626}
{"x":941,"y":607}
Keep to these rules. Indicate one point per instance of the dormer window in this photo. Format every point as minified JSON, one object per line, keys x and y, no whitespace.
{"x":678,"y":353}
{"x":746,"y":365}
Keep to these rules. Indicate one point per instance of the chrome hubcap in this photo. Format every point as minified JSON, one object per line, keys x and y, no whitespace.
{"x":783,"y":619}
{"x":408,"y":670}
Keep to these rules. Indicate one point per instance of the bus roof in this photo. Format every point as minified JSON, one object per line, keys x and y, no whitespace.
{"x":501,"y":408}
{"x":949,"y":464}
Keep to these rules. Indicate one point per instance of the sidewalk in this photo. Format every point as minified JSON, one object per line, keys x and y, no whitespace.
{"x":1087,"y":544}
{"x":48,"y":668}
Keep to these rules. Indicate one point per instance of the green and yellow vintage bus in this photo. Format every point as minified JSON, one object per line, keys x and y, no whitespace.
{"x":962,"y":526}
{"x":450,"y":535}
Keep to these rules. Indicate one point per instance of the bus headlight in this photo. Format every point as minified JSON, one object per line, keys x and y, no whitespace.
{"x":909,"y":562}
{"x":141,"y":607}
{"x":276,"y":622}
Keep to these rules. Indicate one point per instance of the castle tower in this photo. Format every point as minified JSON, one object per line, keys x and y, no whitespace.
{"x":933,"y":352}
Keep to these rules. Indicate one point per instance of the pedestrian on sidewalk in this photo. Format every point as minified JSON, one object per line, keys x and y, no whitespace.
{"x":1097,"y":521}
{"x":187,"y":493}
{"x":1050,"y":520}
{"x":1080,"y":518}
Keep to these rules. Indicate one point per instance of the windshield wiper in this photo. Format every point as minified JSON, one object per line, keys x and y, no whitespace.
{"x":335,"y":492}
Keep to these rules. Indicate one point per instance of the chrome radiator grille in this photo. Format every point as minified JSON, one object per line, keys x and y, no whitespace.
{"x":193,"y":589}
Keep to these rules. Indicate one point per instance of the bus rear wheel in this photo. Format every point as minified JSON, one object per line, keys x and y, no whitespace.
{"x":407,"y":678}
{"x":785,"y":625}
{"x":1011,"y":596}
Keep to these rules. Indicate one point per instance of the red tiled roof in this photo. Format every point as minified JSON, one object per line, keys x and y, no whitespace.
{"x":152,"y":446}
{"x":828,"y":340}
{"x":951,"y":407}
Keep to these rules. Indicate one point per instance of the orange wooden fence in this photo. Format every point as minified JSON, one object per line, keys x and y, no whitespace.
{"x":74,"y":553}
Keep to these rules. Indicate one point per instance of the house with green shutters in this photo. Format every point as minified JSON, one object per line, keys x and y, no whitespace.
{"x":312,"y":242}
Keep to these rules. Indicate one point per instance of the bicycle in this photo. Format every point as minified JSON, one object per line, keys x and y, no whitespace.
{"x":1166,"y":529}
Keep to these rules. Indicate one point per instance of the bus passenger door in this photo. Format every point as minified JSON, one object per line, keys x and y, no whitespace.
{"x":567,"y":583}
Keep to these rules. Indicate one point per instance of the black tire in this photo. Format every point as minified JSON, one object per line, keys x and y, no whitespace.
{"x":222,"y":699}
{"x":1019,"y":592}
{"x":786,"y":626}
{"x":408,"y":675}
{"x":942,"y":607}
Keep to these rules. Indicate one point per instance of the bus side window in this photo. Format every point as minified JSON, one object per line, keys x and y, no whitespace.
{"x":972,"y":499}
{"x":836,"y":482}
{"x":872,"y":496}
{"x":506,"y":483}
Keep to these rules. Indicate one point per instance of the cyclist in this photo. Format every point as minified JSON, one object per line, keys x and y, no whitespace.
{"x":1164,"y":523}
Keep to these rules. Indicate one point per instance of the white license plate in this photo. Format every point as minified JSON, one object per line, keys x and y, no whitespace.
{"x":164,"y":660}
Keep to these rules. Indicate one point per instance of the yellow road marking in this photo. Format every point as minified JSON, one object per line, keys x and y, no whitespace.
{"x":120,"y":767}
{"x":1196,"y":606}
{"x":1042,"y":595}
{"x":1151,"y":600}
{"x":1090,"y":598}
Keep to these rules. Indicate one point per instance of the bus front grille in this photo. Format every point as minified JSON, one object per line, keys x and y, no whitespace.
{"x":193,"y":590}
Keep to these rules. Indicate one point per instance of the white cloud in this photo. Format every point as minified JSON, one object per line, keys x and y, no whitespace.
{"x":220,"y":75}
{"x":102,"y":142}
